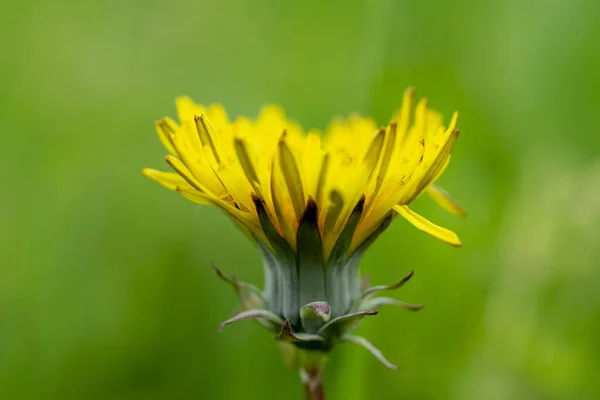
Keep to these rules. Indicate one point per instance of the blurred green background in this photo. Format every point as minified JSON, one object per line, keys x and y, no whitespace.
{"x":105,"y":285}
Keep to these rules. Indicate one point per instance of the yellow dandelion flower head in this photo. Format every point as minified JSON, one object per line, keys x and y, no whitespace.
{"x":270,"y":171}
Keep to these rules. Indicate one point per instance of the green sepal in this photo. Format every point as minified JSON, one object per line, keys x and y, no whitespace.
{"x":343,"y":281}
{"x":234,"y":282}
{"x":250,"y":296}
{"x":258,"y":314}
{"x":288,"y":335}
{"x":281,"y":272}
{"x":314,"y":315}
{"x":393,"y":286}
{"x":361,"y":341}
{"x":340,"y":325}
{"x":310,"y":259}
{"x":342,"y":272}
{"x":377,"y":302}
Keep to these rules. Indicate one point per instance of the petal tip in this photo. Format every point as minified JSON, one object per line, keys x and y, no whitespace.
{"x":147,"y":172}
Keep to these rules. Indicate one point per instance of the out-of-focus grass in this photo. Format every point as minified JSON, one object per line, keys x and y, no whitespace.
{"x":105,"y":290}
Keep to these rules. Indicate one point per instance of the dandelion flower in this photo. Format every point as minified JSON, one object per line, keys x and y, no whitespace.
{"x":312,"y":203}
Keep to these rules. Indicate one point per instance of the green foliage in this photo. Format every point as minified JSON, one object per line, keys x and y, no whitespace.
{"x":106,"y":290}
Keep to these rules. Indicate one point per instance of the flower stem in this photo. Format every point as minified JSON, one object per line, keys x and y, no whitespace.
{"x":312,"y":378}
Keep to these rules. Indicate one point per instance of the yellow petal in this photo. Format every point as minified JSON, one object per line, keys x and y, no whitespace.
{"x":441,"y":170}
{"x":198,"y":168}
{"x":282,"y":206}
{"x":310,"y":161}
{"x":386,"y":158}
{"x":427,"y":226}
{"x":217,"y":115}
{"x":453,"y":121}
{"x":246,"y":163}
{"x":169,"y":180}
{"x":185,"y":173}
{"x":404,"y":115}
{"x":408,"y":186}
{"x":336,"y":206}
{"x":246,"y":226}
{"x":192,"y":194}
{"x":225,"y":163}
{"x":438,"y":163}
{"x":373,"y":155}
{"x":322,"y":181}
{"x":246,"y":219}
{"x":165,"y":128}
{"x":206,"y":135}
{"x":237,"y":186}
{"x":219,"y":199}
{"x":187,"y":109}
{"x":446,"y":201}
{"x":344,"y":189}
{"x":291,"y":176}
{"x":434,"y":119}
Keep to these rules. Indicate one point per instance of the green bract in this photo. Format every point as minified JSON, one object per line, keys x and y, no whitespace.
{"x":309,"y":301}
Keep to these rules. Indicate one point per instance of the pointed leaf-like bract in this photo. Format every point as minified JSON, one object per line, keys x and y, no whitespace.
{"x":314,"y":315}
{"x":377,"y":302}
{"x":287,"y":334}
{"x":250,"y":296}
{"x":252,"y":314}
{"x":339,"y":270}
{"x":309,"y":257}
{"x":338,"y":326}
{"x":361,"y":341}
{"x":282,"y":299}
{"x":235,"y":283}
{"x":393,"y":286}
